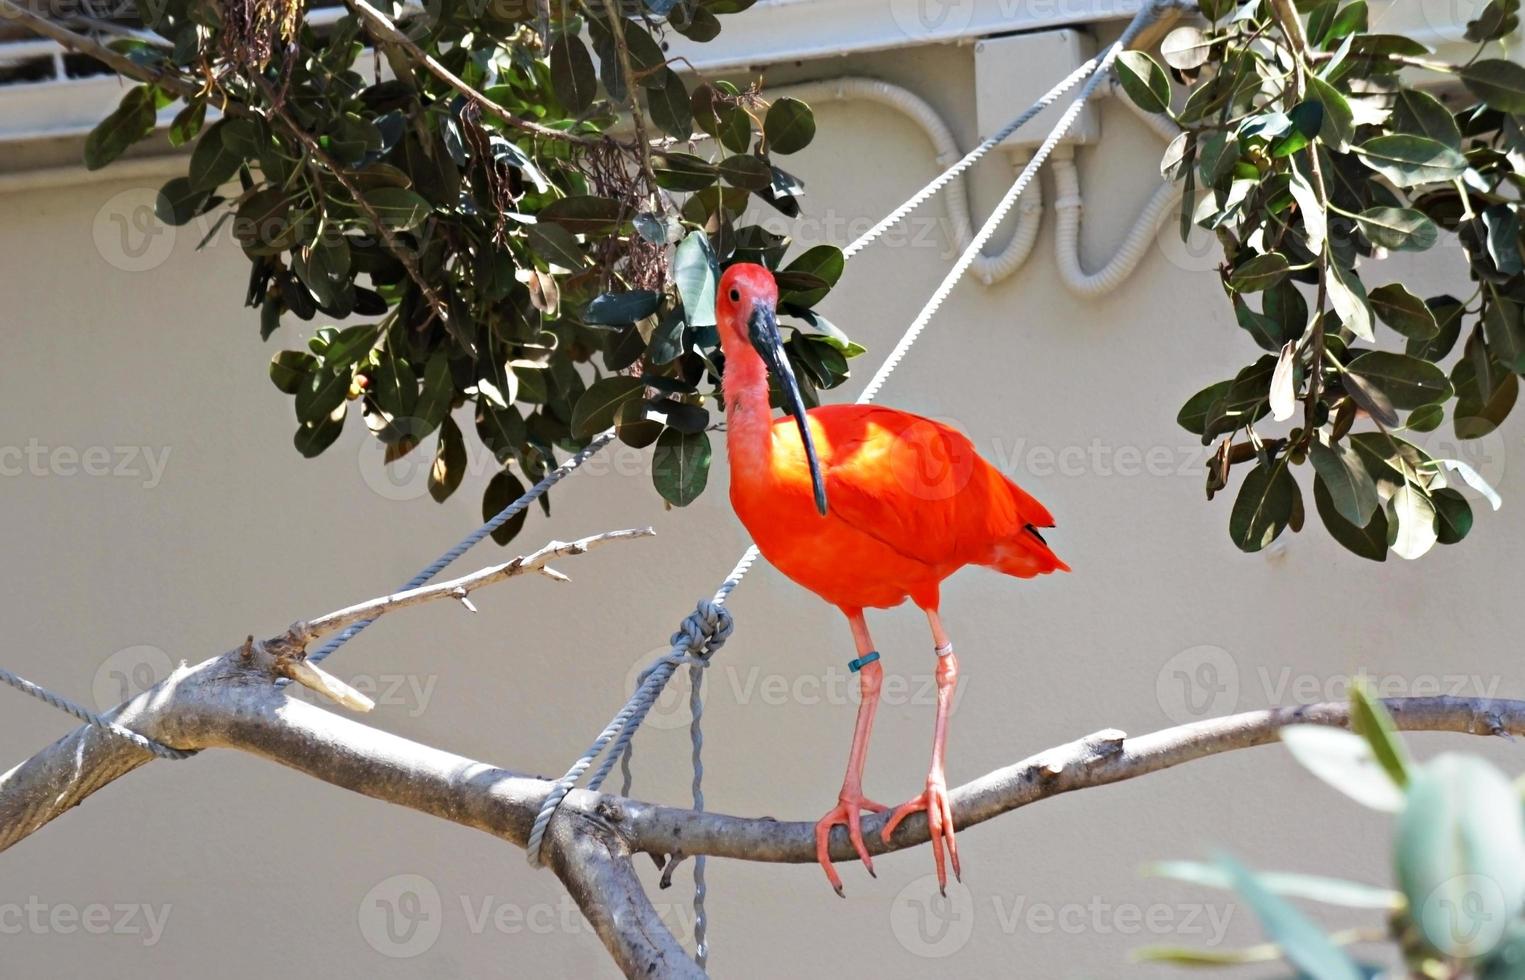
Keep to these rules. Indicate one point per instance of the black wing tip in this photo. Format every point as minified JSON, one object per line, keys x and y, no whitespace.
{"x":1033,"y":530}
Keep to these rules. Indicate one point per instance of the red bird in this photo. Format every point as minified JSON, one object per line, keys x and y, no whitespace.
{"x":865,"y":507}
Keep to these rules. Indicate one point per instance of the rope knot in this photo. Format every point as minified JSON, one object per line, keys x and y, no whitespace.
{"x":705,"y":630}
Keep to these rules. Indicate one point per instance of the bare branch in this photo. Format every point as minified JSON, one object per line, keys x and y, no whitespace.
{"x":460,"y":588}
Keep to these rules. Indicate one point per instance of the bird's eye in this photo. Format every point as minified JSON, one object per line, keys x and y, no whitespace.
{"x":735,"y":296}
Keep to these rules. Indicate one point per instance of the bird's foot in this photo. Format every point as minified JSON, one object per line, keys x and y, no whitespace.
{"x":934,"y":800}
{"x":847,"y":812}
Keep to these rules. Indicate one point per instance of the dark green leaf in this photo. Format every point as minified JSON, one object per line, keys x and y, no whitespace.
{"x":596,"y":409}
{"x":1407,"y":381}
{"x":1193,"y":415}
{"x":585,"y":214}
{"x":619,"y":309}
{"x":1403,"y":311}
{"x":1370,"y":720}
{"x":177,"y":202}
{"x":1344,"y":475}
{"x":1452,"y":513}
{"x":313,"y":437}
{"x":503,"y":489}
{"x":1505,"y":333}
{"x":1260,"y":272}
{"x":572,"y":76}
{"x":1144,"y":81}
{"x":1368,"y":542}
{"x":132,"y":120}
{"x":1409,"y":161}
{"x":1307,"y":119}
{"x":1399,"y":229}
{"x":556,"y":246}
{"x":681,"y":465}
{"x":1497,"y":82}
{"x":321,"y":393}
{"x":1263,"y":506}
{"x":747,"y":171}
{"x":1421,"y":114}
{"x":789,"y":126}
{"x":449,"y":465}
{"x":683,"y":171}
{"x":669,"y":107}
{"x":213,"y":163}
{"x":290,"y":368}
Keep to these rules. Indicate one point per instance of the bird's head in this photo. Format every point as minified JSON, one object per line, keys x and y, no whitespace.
{"x":746,"y":317}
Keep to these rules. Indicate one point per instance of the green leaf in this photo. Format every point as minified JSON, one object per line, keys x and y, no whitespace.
{"x":1303,"y":944}
{"x":1411,"y":521}
{"x":1263,"y":507}
{"x":1403,"y":311}
{"x":669,"y":106}
{"x":596,"y":409}
{"x":132,"y":120}
{"x":1348,"y":297}
{"x":1425,"y":418}
{"x":321,"y":393}
{"x":789,"y":126}
{"x":695,"y":274}
{"x":449,"y":465}
{"x":312,"y":438}
{"x":1144,"y":81}
{"x":680,"y":465}
{"x":178,"y":202}
{"x":1499,"y":83}
{"x":289,"y":368}
{"x":1307,"y":119}
{"x":682,"y":171}
{"x":1399,"y":229}
{"x":1337,"y":127}
{"x":436,"y":395}
{"x":556,"y":246}
{"x":1461,"y":854}
{"x":503,"y":489}
{"x":1344,"y":475}
{"x":187,"y":123}
{"x":806,"y":281}
{"x":213,"y":163}
{"x":1292,"y":884}
{"x":397,"y":207}
{"x":746,"y":171}
{"x":1505,"y":333}
{"x":1369,"y":542}
{"x":1407,"y":381}
{"x":585,"y":214}
{"x":1409,"y":161}
{"x":619,"y":309}
{"x":1482,"y":404}
{"x":1370,"y":720}
{"x":1421,"y":114}
{"x":572,"y":76}
{"x":1186,"y":48}
{"x":1453,"y":515}
{"x":1346,"y":762}
{"x":1193,"y":415}
{"x":1499,"y":19}
{"x":1260,"y":272}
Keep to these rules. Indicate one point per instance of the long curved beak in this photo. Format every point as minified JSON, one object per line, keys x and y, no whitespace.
{"x":762,"y":329}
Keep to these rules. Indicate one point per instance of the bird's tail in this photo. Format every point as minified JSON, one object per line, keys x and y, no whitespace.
{"x":1020,"y":548}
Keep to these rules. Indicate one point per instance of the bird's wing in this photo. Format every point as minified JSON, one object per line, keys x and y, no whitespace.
{"x":918,"y":486}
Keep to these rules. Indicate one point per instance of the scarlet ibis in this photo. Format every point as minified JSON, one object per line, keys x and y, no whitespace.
{"x":866,"y":507}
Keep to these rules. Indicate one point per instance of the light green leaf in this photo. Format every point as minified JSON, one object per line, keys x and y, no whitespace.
{"x":1345,"y":761}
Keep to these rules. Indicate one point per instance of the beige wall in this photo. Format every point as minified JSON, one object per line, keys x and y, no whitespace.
{"x":262,"y":872}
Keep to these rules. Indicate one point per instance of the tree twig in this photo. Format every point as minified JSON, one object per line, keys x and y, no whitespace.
{"x":383,"y":25}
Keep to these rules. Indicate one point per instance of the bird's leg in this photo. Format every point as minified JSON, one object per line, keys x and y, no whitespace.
{"x":934,"y":800}
{"x":851,"y":802}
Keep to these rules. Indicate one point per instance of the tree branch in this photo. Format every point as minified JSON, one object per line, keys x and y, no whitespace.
{"x":118,"y":63}
{"x":231,"y":702}
{"x":383,"y":27}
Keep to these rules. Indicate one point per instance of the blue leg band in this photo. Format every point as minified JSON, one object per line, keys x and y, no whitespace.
{"x":858,"y":663}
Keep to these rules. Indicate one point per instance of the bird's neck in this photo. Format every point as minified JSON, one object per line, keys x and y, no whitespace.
{"x":748,"y":416}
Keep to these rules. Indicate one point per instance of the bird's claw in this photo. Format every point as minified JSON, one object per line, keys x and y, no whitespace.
{"x":934,"y":801}
{"x":849,"y":813}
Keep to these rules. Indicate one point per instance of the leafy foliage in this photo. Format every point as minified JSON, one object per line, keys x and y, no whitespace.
{"x":1458,"y":856}
{"x":1311,"y":150}
{"x":475,"y":227}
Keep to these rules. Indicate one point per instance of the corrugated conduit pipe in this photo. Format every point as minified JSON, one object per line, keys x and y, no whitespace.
{"x":1069,"y":204}
{"x":989,"y":268}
